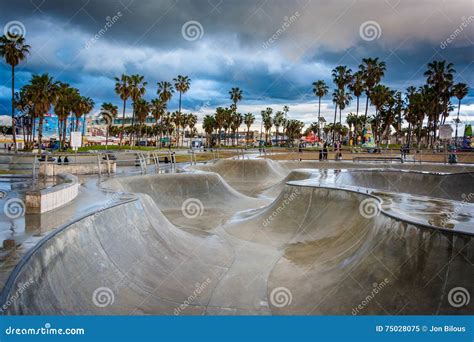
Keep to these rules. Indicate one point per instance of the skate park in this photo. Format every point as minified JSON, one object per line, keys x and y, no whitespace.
{"x":249,"y":235}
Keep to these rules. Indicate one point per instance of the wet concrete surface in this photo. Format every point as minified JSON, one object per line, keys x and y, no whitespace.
{"x":259,"y":237}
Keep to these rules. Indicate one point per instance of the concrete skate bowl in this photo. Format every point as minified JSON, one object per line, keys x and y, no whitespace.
{"x":128,"y":259}
{"x":449,"y":186}
{"x":338,"y":261}
{"x":197,"y":200}
{"x":249,"y":176}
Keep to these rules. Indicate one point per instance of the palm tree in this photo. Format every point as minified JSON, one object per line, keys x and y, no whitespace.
{"x":320,"y":89}
{"x":123,"y":89}
{"x":14,"y":50}
{"x":208,"y":124}
{"x":249,"y":119}
{"x":278,"y":121}
{"x":142,"y":110}
{"x":293,"y":129}
{"x":357,"y":87}
{"x":372,"y":71}
{"x":158,"y":110}
{"x":236,"y":122}
{"x":220,"y":120}
{"x":440,"y":77}
{"x":137,"y":91}
{"x":109,"y":111}
{"x":63,"y":106}
{"x":43,"y":90}
{"x":341,"y":76}
{"x":460,"y":90}
{"x":181,"y":84}
{"x":379,"y":96}
{"x":267,"y":121}
{"x":165,"y":91}
{"x":191,"y":121}
{"x":235,"y":96}
{"x":227,"y":120}
{"x":86,"y":104}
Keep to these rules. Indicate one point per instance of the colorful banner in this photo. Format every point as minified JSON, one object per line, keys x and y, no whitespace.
{"x":368,"y":136}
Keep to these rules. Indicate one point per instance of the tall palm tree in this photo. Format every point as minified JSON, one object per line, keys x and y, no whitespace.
{"x":460,"y":90}
{"x":236,"y":121}
{"x":64,"y":105}
{"x":320,"y":89}
{"x":14,"y":50}
{"x":43,"y":90}
{"x":142,"y":110}
{"x":158,"y":110}
{"x":220,"y":120}
{"x":267,"y":121}
{"x":235,"y":96}
{"x":123,"y":89}
{"x":342,"y":77}
{"x":86,"y":104}
{"x":181,"y":84}
{"x":278,"y":121}
{"x":440,"y":77}
{"x":357,"y":88}
{"x":110,"y":112}
{"x":372,"y":71}
{"x":191,"y":121}
{"x":249,"y":119}
{"x":165,"y":91}
{"x":208,"y":124}
{"x":137,"y":91}
{"x":379,"y":96}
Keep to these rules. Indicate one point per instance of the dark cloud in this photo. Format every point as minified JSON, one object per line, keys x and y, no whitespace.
{"x":273,"y":50}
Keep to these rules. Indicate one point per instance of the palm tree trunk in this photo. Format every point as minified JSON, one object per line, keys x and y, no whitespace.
{"x":334,"y":126}
{"x":366,"y":107}
{"x":319,"y":117}
{"x":123,"y":122}
{"x":457,"y":122}
{"x":355,"y":124}
{"x":40,"y":131}
{"x":13,"y":110}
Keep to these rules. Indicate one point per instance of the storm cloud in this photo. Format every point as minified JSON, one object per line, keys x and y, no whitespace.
{"x":273,"y":50}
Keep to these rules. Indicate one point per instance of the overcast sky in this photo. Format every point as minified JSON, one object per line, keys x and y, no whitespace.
{"x":272,"y":50}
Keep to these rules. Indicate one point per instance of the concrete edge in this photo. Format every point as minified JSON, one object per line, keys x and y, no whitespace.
{"x":44,"y":200}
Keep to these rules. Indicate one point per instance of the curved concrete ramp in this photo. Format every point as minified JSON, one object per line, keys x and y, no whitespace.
{"x":249,"y":176}
{"x":129,"y":257}
{"x":450,"y":186}
{"x":334,"y":257}
{"x":198,"y":200}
